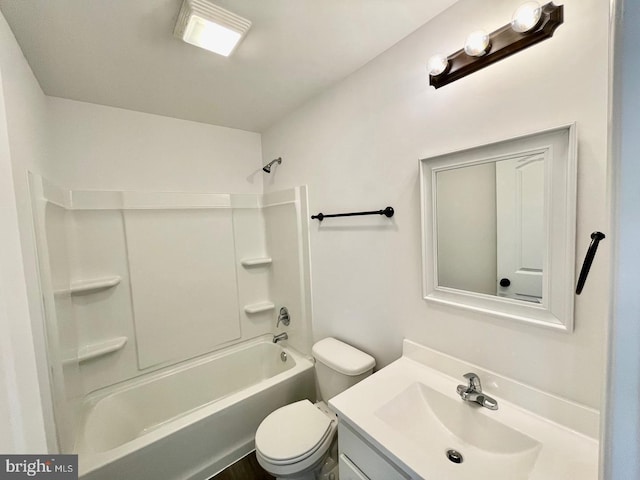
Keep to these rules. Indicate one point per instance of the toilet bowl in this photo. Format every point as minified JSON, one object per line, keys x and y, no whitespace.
{"x":296,"y":441}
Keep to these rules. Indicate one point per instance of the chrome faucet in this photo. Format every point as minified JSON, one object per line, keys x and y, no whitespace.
{"x":280,"y":336}
{"x":473,"y":392}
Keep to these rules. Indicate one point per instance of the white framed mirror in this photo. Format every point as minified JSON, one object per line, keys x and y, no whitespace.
{"x":498,"y":228}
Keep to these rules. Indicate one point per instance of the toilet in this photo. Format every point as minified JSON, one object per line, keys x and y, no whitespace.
{"x":299,"y":441}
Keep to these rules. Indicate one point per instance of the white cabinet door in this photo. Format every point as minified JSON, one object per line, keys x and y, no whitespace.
{"x":348,"y":471}
{"x":367,"y":462}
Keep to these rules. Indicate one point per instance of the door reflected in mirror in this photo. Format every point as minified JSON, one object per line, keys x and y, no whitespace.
{"x":499,"y":206}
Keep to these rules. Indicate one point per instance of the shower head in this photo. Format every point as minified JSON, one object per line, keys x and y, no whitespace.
{"x":267,"y":167}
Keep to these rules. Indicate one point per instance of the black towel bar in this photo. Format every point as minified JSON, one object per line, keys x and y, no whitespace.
{"x":388,"y":212}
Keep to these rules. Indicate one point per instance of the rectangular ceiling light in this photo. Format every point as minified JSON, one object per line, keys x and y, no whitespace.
{"x":208,"y":26}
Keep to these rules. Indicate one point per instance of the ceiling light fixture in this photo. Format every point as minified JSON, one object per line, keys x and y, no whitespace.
{"x":208,"y":26}
{"x":530,"y":24}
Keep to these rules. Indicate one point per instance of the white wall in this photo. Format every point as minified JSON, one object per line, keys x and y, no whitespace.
{"x":23,"y":148}
{"x":20,"y":411}
{"x":104,"y":148}
{"x":357,"y":147}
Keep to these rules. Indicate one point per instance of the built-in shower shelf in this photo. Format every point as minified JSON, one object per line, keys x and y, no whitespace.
{"x":259,"y":307}
{"x":256,"y":262}
{"x":91,"y":286}
{"x":100,"y":349}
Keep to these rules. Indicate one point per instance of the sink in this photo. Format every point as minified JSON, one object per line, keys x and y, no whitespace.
{"x":409,"y":412}
{"x":441,"y":423}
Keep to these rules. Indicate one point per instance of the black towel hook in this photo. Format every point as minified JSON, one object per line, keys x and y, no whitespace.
{"x":588,"y":260}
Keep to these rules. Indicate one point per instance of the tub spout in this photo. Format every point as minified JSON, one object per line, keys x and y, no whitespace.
{"x":280,"y":336}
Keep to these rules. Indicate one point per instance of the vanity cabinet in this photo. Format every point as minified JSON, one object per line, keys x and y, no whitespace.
{"x":358,"y":460}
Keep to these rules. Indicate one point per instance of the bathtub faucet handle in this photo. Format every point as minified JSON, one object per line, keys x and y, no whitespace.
{"x":283,"y":317}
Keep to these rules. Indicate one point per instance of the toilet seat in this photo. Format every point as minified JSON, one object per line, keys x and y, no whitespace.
{"x":294,"y":437}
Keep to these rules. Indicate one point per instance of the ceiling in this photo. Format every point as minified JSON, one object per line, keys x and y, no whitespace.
{"x":122,"y":53}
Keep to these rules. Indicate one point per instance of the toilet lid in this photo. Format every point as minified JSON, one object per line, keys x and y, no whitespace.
{"x":292,"y":432}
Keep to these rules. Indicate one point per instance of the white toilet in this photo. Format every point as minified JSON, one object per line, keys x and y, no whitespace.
{"x":295,"y":441}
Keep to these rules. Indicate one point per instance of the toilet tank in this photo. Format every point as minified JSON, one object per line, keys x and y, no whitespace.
{"x":339,"y":366}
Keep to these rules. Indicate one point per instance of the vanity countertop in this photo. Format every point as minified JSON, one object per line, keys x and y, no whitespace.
{"x":413,"y":415}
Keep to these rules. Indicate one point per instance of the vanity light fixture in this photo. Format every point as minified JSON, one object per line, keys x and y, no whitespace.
{"x":208,"y":26}
{"x":530,"y":24}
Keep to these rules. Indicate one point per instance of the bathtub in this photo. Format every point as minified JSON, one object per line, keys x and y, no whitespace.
{"x":191,"y":421}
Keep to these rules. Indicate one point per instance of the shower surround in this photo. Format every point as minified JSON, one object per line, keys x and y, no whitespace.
{"x":137,"y":283}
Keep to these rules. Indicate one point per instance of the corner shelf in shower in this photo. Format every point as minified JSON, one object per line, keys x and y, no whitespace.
{"x":100,"y":349}
{"x":256,"y":262}
{"x":85,"y":287}
{"x":259,"y":307}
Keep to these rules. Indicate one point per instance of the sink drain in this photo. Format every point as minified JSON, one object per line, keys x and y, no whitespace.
{"x":454,"y":456}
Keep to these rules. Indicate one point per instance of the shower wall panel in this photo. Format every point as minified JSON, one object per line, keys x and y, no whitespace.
{"x":61,"y":329}
{"x":97,"y":249}
{"x":286,"y":226}
{"x":183,"y":282}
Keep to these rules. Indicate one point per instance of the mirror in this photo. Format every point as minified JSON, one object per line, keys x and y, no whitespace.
{"x":499,"y":228}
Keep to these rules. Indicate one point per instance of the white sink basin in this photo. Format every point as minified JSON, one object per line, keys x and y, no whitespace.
{"x":439,"y":423}
{"x":411,"y":413}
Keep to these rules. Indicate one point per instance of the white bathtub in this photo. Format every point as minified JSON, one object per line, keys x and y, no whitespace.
{"x":191,"y":421}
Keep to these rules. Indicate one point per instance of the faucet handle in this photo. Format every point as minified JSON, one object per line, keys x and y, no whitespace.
{"x":283,"y":317}
{"x":474,"y":382}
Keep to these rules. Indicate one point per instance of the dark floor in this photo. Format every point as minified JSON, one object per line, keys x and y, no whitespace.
{"x":246,"y":469}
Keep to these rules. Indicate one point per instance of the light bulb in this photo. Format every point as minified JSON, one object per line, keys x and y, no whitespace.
{"x":437,"y":64}
{"x":477,"y":43}
{"x":526,"y":17}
